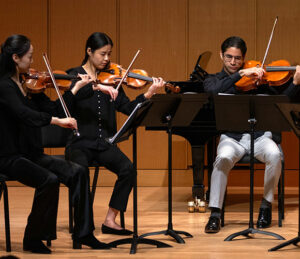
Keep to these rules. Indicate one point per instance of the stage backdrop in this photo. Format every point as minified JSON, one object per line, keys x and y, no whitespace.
{"x":171,"y":34}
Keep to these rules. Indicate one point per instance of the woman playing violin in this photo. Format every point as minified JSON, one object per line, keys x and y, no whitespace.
{"x":233,"y":145}
{"x":96,"y":117}
{"x":21,"y":151}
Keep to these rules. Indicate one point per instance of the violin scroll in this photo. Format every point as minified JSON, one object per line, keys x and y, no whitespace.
{"x":171,"y":88}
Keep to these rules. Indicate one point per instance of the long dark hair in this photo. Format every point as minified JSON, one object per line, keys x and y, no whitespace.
{"x":96,"y":41}
{"x":15,"y":44}
{"x":235,"y":42}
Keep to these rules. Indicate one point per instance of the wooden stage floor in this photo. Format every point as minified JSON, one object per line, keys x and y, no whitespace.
{"x":152,"y":216}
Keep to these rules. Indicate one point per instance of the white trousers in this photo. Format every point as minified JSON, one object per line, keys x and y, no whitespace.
{"x":230,"y":151}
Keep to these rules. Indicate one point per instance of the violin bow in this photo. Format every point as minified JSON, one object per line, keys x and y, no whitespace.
{"x":66,"y":111}
{"x":127,"y":71}
{"x":269,"y":43}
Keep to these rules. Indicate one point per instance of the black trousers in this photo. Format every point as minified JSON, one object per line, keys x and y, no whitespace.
{"x":44,"y":173}
{"x":114,"y":160}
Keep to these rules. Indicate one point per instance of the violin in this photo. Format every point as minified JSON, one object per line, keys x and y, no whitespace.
{"x":275,"y":75}
{"x":136,"y":78}
{"x":37,"y":82}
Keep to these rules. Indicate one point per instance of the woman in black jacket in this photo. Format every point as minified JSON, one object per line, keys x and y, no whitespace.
{"x":21,"y":153}
{"x":96,"y":117}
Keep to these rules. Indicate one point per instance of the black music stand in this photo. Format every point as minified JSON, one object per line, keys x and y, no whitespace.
{"x":249,"y":113}
{"x":128,"y":128}
{"x":173,"y":111}
{"x":291,"y":112}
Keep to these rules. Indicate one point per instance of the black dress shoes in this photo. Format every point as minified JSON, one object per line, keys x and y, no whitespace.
{"x":91,"y":241}
{"x":264,"y":218}
{"x":35,"y":246}
{"x":213,"y":225}
{"x":122,"y":232}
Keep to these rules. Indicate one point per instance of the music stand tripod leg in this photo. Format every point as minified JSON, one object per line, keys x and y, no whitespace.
{"x":295,"y":240}
{"x":135,"y":240}
{"x":251,"y":230}
{"x":170,"y":231}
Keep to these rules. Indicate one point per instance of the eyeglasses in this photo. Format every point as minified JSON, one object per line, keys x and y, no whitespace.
{"x":228,"y":58}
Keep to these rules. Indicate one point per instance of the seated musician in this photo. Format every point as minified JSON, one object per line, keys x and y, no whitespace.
{"x":96,"y":116}
{"x":22,"y":157}
{"x":233,"y":146}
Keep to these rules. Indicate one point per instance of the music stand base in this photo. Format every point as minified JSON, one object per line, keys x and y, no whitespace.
{"x":293,"y":241}
{"x":135,"y":240}
{"x":170,"y":232}
{"x":248,"y":231}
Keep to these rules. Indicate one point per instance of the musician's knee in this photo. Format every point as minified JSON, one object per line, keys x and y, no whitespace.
{"x":51,"y":180}
{"x":79,"y":172}
{"x":273,"y":156}
{"x":128,"y":171}
{"x":223,"y":163}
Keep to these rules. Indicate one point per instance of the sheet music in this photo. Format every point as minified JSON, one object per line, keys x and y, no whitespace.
{"x":127,"y":124}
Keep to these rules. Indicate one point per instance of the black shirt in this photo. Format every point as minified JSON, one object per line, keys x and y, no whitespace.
{"x":21,"y":119}
{"x":225,"y":83}
{"x":96,"y":114}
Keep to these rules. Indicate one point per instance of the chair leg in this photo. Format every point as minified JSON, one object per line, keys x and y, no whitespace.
{"x":1,"y":190}
{"x":6,"y":215}
{"x":93,"y":192}
{"x":223,"y":210}
{"x":279,"y":203}
{"x":71,"y":220}
{"x":282,"y":190}
{"x":122,"y":219}
{"x":94,"y":186}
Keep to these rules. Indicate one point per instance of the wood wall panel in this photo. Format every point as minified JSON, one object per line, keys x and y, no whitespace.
{"x":212,"y":21}
{"x":286,"y":39}
{"x":290,"y":147}
{"x":171,"y":34}
{"x":28,"y":18}
{"x":71,"y":23}
{"x":161,"y":34}
{"x":285,"y":45}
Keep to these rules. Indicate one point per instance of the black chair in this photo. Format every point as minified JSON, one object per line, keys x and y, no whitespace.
{"x":3,"y":189}
{"x":244,"y":163}
{"x":56,"y":137}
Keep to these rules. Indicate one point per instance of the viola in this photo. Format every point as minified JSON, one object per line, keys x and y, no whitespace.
{"x":277,"y":73}
{"x":136,"y":78}
{"x":37,"y":82}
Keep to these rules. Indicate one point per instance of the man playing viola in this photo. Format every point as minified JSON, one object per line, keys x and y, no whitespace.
{"x":233,"y":146}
